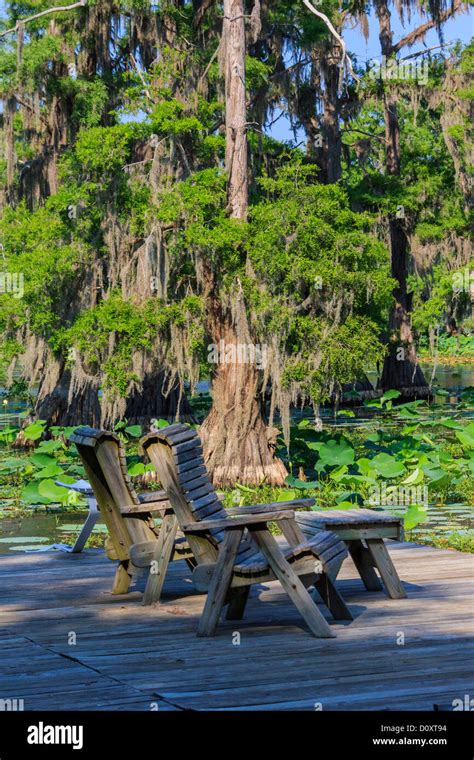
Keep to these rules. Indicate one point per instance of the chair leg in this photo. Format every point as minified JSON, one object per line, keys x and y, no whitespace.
{"x":220,"y":582}
{"x":238,"y":600}
{"x":291,"y":583}
{"x":161,"y":559}
{"x":87,"y":528}
{"x":332,"y":598}
{"x":122,"y":579}
{"x":386,"y":568}
{"x":363,"y":562}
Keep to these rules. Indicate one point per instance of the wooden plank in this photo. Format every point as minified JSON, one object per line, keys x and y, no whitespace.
{"x":189,"y":463}
{"x":192,"y":474}
{"x":363,"y":562}
{"x":203,"y":501}
{"x":291,"y":583}
{"x":386,"y":568}
{"x":161,"y":559}
{"x":231,"y":523}
{"x":199,"y":491}
{"x":125,"y":653}
{"x":220,"y":583}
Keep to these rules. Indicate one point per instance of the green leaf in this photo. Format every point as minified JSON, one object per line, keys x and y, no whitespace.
{"x":42,"y":460}
{"x":314,"y":445}
{"x":449,"y":422}
{"x":352,"y":497}
{"x":414,"y":478}
{"x":68,"y":479}
{"x":387,"y":466}
{"x":347,"y":505}
{"x":337,"y":454}
{"x":54,"y":493}
{"x":437,"y":476}
{"x":290,"y":480}
{"x":11,"y":465}
{"x":136,"y":469}
{"x":51,"y":471}
{"x":415,"y":514}
{"x":373,"y":437}
{"x":31,"y":495}
{"x":466,"y":436}
{"x":24,"y":539}
{"x":388,"y":395}
{"x":47,"y":447}
{"x":134,"y":431}
{"x":285,"y":494}
{"x":34,"y":431}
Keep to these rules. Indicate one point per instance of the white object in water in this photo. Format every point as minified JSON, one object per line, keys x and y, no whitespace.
{"x":84,"y":487}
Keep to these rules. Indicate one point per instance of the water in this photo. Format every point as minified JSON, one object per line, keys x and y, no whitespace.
{"x":40,"y":528}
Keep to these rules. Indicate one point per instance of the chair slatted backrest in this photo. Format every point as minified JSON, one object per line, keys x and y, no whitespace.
{"x":104,"y":461}
{"x":176,"y":453}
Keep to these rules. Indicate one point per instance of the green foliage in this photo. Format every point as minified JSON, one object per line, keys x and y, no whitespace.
{"x":135,"y":326}
{"x":105,"y":150}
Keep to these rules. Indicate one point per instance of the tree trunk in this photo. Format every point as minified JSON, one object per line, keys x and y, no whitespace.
{"x":401,"y":370}
{"x":234,"y":434}
{"x":235,"y":108}
{"x":331,"y":149}
{"x":150,"y":402}
{"x":66,"y":406}
{"x":239,"y":446}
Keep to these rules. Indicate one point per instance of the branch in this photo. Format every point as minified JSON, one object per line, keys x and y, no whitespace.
{"x":415,"y":35}
{"x":367,"y":134}
{"x":346,"y":61}
{"x":58,"y":9}
{"x":206,"y":70}
{"x":426,"y":50}
{"x":30,"y":107}
{"x":142,"y":78}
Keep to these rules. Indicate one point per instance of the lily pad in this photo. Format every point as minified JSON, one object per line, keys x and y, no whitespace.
{"x":334,"y":453}
{"x":387,"y":466}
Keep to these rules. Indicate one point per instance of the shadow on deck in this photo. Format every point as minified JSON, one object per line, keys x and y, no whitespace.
{"x":67,"y":644}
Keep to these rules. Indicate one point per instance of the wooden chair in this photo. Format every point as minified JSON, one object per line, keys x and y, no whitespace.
{"x":234,"y":549}
{"x":128,"y":517}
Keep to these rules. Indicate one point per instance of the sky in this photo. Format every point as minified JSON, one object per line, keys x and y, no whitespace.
{"x":459,"y":28}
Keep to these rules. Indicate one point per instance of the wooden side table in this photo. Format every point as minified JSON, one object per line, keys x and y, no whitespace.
{"x":363,"y":530}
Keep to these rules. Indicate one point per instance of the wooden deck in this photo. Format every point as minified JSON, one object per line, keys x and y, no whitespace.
{"x":129,"y":657}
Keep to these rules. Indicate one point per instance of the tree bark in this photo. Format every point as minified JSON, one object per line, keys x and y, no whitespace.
{"x":235,"y":437}
{"x":235,"y":108}
{"x":331,"y":132}
{"x":150,"y":402}
{"x":401,"y":370}
{"x":239,"y":446}
{"x":60,"y":406}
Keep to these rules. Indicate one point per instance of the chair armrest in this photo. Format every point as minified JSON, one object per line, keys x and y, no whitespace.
{"x":237,"y":522}
{"x":273,"y":506}
{"x":147,"y":496}
{"x":156,"y":507}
